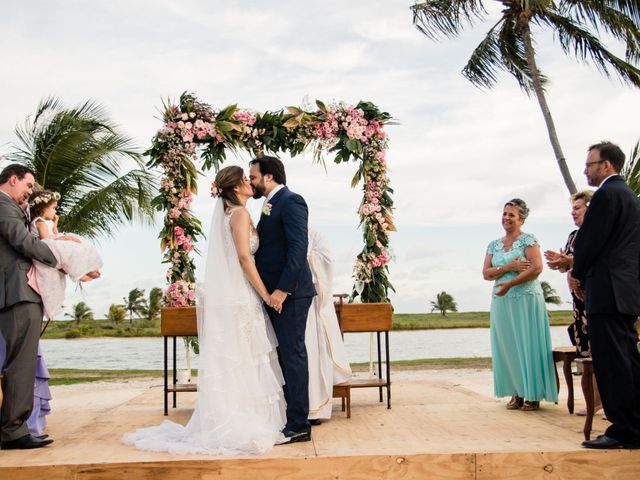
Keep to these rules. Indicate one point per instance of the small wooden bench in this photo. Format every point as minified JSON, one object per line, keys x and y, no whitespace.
{"x":343,"y":391}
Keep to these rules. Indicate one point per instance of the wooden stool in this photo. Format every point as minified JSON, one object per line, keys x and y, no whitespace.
{"x":343,"y":391}
{"x":566,"y":355}
{"x":587,"y":391}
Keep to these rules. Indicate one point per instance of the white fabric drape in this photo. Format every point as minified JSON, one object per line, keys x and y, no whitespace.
{"x":328,"y":363}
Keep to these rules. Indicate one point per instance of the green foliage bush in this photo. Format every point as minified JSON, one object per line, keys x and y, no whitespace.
{"x":73,"y":334}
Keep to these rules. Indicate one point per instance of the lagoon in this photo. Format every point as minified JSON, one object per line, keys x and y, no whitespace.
{"x":147,"y":353}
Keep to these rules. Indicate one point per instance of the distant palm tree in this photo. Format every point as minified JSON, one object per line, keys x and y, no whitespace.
{"x":509,"y":43}
{"x":444,"y":302}
{"x":80,"y":154}
{"x":631,"y":171}
{"x":549,"y":293}
{"x":117,"y":313}
{"x":135,"y":303}
{"x":154,"y":304}
{"x":80,"y":312}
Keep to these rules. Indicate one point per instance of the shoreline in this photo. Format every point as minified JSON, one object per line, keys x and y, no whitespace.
{"x":141,"y":328}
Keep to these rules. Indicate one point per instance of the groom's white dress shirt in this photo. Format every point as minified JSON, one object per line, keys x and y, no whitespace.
{"x":273,"y":192}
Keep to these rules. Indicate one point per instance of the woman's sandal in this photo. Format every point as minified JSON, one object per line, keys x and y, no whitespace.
{"x":515,"y":403}
{"x":530,"y":406}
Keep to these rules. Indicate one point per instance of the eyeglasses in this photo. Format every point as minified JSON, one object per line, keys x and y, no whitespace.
{"x":588,"y":164}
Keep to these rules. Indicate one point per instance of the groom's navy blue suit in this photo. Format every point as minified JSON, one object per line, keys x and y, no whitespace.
{"x":282,"y":264}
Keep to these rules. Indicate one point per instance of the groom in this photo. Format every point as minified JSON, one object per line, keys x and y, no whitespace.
{"x":282,"y":264}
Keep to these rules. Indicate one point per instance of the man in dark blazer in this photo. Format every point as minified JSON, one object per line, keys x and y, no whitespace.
{"x":606,"y":265}
{"x":20,"y":308}
{"x":281,"y":261}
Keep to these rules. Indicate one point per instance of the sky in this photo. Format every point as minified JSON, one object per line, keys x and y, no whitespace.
{"x":456,"y":155}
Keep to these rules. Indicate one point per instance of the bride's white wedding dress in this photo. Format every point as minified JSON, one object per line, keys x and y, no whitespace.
{"x":240,"y":407}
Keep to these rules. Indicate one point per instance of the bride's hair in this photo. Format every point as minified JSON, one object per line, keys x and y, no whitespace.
{"x":226,"y":180}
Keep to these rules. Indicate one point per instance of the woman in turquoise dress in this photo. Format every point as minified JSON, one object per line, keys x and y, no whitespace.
{"x":520,"y":337}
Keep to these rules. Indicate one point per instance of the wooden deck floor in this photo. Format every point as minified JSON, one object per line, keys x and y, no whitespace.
{"x":443,"y":424}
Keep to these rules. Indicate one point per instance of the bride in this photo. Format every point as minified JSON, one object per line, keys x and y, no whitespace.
{"x":240,"y":407}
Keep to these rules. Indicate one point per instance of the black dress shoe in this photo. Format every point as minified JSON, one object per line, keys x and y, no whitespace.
{"x":26,"y":442}
{"x":603,"y":443}
{"x":292,"y":437}
{"x":315,"y":421}
{"x":42,"y":437}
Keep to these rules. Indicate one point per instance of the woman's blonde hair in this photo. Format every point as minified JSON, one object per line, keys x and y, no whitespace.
{"x":585,"y":195}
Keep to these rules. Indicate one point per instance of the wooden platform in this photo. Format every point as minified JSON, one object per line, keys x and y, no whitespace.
{"x":443,"y":424}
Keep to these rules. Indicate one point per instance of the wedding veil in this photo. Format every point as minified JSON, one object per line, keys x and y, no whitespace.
{"x":225,"y":321}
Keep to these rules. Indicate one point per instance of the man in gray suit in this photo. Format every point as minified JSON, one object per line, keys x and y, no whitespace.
{"x":20,"y":308}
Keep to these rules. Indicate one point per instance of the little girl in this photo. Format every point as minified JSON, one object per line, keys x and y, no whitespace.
{"x":76,"y":257}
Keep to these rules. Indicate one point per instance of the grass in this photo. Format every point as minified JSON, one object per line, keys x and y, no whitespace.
{"x":401,"y":321}
{"x":71,"y":376}
{"x":427,"y":321}
{"x":102,"y":328}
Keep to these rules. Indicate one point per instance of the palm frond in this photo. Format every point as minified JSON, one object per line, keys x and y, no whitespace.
{"x":438,"y":19}
{"x":583,"y":45}
{"x":631,"y":171}
{"x":80,"y":154}
{"x":514,"y":58}
{"x":99,"y":212}
{"x":482,"y":67}
{"x":621,"y":23}
{"x":590,"y":9}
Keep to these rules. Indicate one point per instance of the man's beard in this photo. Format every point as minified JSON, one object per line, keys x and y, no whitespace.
{"x":258,"y":191}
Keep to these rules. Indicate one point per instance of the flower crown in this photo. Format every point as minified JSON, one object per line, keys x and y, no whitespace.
{"x":44,"y":198}
{"x":215,"y":190}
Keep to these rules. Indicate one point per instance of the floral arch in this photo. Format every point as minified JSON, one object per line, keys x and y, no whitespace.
{"x":194,"y":129}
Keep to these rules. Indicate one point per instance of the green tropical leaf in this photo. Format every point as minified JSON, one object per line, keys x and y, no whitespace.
{"x":79,"y":153}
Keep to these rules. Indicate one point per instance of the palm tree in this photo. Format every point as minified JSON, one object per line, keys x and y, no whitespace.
{"x":509,"y":43}
{"x":80,"y":312}
{"x":135,"y":303}
{"x":631,"y":171}
{"x":444,"y":302}
{"x":80,"y":154}
{"x":116,"y":313}
{"x":550,"y":294}
{"x":154,"y":304}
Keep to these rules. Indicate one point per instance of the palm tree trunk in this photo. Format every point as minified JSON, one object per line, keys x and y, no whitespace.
{"x":546,"y":113}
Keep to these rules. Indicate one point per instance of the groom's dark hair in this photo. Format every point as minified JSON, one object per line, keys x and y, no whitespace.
{"x":271,"y":165}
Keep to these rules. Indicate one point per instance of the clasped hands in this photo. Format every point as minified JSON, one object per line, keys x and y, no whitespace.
{"x":575,"y":286}
{"x":516,"y":265}
{"x":276,"y":299}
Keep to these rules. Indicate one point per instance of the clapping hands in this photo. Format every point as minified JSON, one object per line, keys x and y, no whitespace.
{"x":558,"y":260}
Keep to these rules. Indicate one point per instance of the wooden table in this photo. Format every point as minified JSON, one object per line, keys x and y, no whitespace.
{"x":176,"y":322}
{"x":370,"y":317}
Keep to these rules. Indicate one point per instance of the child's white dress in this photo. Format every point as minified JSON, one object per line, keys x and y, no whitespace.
{"x":76,"y":259}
